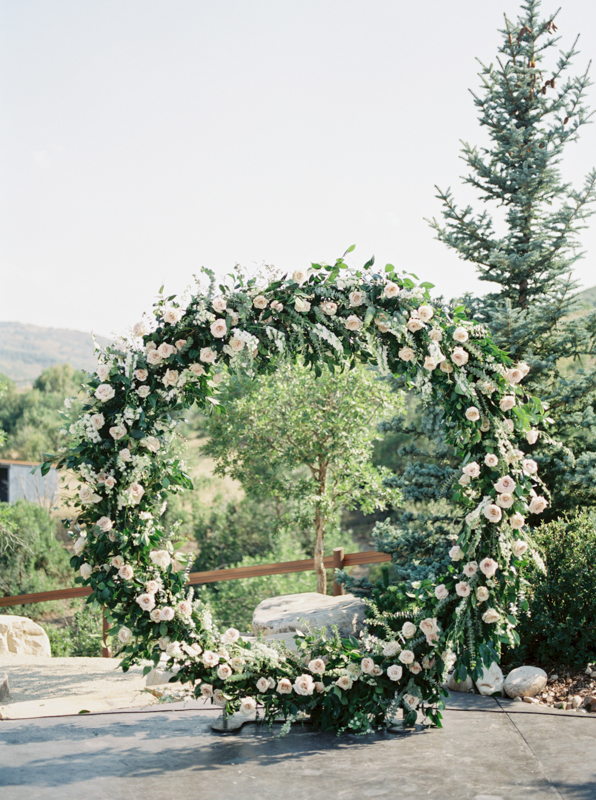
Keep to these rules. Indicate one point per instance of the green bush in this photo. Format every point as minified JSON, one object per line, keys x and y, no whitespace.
{"x":81,"y":639}
{"x":31,"y":557}
{"x":559,"y":625}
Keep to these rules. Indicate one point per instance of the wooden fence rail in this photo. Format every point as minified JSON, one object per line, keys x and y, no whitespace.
{"x":338,"y":560}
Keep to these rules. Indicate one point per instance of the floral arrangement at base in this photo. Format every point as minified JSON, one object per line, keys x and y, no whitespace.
{"x":123,"y":455}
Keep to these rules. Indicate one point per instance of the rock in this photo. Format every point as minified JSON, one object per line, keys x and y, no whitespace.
{"x":491,"y":680}
{"x":590,"y":703}
{"x":460,"y":686}
{"x":576,"y":701}
{"x":23,"y":637}
{"x":525,"y":682}
{"x":4,"y":687}
{"x":517,"y":699}
{"x":158,"y":676}
{"x":554,"y":678}
{"x":527,"y":699}
{"x":309,"y":611}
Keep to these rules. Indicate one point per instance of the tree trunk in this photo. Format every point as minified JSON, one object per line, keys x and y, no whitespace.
{"x":320,"y":521}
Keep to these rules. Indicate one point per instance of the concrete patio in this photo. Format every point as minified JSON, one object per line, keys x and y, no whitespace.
{"x":489,"y":750}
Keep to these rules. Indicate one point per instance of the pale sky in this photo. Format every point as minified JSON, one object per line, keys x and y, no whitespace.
{"x":142,"y":139}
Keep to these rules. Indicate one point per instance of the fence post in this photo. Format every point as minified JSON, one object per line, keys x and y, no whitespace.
{"x":338,"y":563}
{"x":105,"y":650}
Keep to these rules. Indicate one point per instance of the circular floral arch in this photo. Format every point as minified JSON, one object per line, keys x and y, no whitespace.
{"x":120,"y":451}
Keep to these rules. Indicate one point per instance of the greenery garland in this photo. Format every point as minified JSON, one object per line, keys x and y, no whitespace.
{"x":122,"y":453}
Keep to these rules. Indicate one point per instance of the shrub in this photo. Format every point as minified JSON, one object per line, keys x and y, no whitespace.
{"x":559,"y":624}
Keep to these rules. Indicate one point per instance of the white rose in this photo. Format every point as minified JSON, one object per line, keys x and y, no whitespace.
{"x":344,"y":682}
{"x":406,"y":657}
{"x":79,"y":545}
{"x":184,"y":607}
{"x":391,"y":289}
{"x":408,"y":629}
{"x":436,"y":335}
{"x":85,"y":570}
{"x":170,"y":377}
{"x":506,"y":403}
{"x":236,"y":344}
{"x":430,"y":363}
{"x":491,"y":616}
{"x":509,"y":425}
{"x":152,"y":586}
{"x":277,"y":306}
{"x":472,"y":414}
{"x":485,"y":425}
{"x":219,"y":304}
{"x":441,"y":592}
{"x":206,"y":690}
{"x":519,"y":547}
{"x":117,"y":561}
{"x":505,"y":484}
{"x":382,"y":325}
{"x":172,"y":315}
{"x":230,"y":636}
{"x":260,"y":301}
{"x":425,"y":313}
{"x":299,"y":276}
{"x":367,"y":665}
{"x":284,"y":686}
{"x":151,"y":443}
{"x":505,"y":500}
{"x":446,"y":367}
{"x":317,"y":666}
{"x":462,"y":589}
{"x":391,"y":649}
{"x":154,"y":358}
{"x":197,"y":369}
{"x":491,"y":460}
{"x":482,"y":594}
{"x":141,"y":374}
{"x":461,"y":335}
{"x":530,"y":466}
{"x":126,"y":572}
{"x":353,"y":323}
{"x":105,"y":524}
{"x":143,"y":391}
{"x":329,"y":307}
{"x":104,"y":392}
{"x":532,"y":436}
{"x":146,"y":601}
{"x":125,"y":454}
{"x":125,"y":635}
{"x":411,"y":700}
{"x":460,"y":356}
{"x":166,"y":350}
{"x":456,"y":553}
{"x":136,"y":492}
{"x":415,"y":668}
{"x":394,"y":672}
{"x":118,"y":431}
{"x":98,"y":421}
{"x":488,"y":567}
{"x":248,"y":705}
{"x":87,"y":495}
{"x":103,"y":372}
{"x":210,"y":659}
{"x":470,"y":569}
{"x":140,"y":329}
{"x":263,"y":685}
{"x":414,"y":324}
{"x":304,"y":685}
{"x":537,"y":505}
{"x":472,"y":469}
{"x":161,"y":558}
{"x":517,"y":521}
{"x":217,"y":378}
{"x":155,"y":615}
{"x":493,"y":513}
{"x":208,"y":355}
{"x":407,"y":354}
{"x":218,"y":329}
{"x":301,"y":305}
{"x":356,"y":298}
{"x":224,"y":672}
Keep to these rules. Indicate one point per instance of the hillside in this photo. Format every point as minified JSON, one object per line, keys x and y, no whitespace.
{"x":26,"y":350}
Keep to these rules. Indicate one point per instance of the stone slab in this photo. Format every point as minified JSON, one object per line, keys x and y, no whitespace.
{"x":309,"y":611}
{"x":21,"y":636}
{"x":159,"y":755}
{"x":4,"y":686}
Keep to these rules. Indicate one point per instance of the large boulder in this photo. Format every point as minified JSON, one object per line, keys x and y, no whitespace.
{"x":460,"y":686}
{"x":23,"y":637}
{"x":525,"y":682}
{"x":491,"y":680}
{"x":309,"y":611}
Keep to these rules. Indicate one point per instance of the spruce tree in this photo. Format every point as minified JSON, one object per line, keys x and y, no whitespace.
{"x":531,"y":108}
